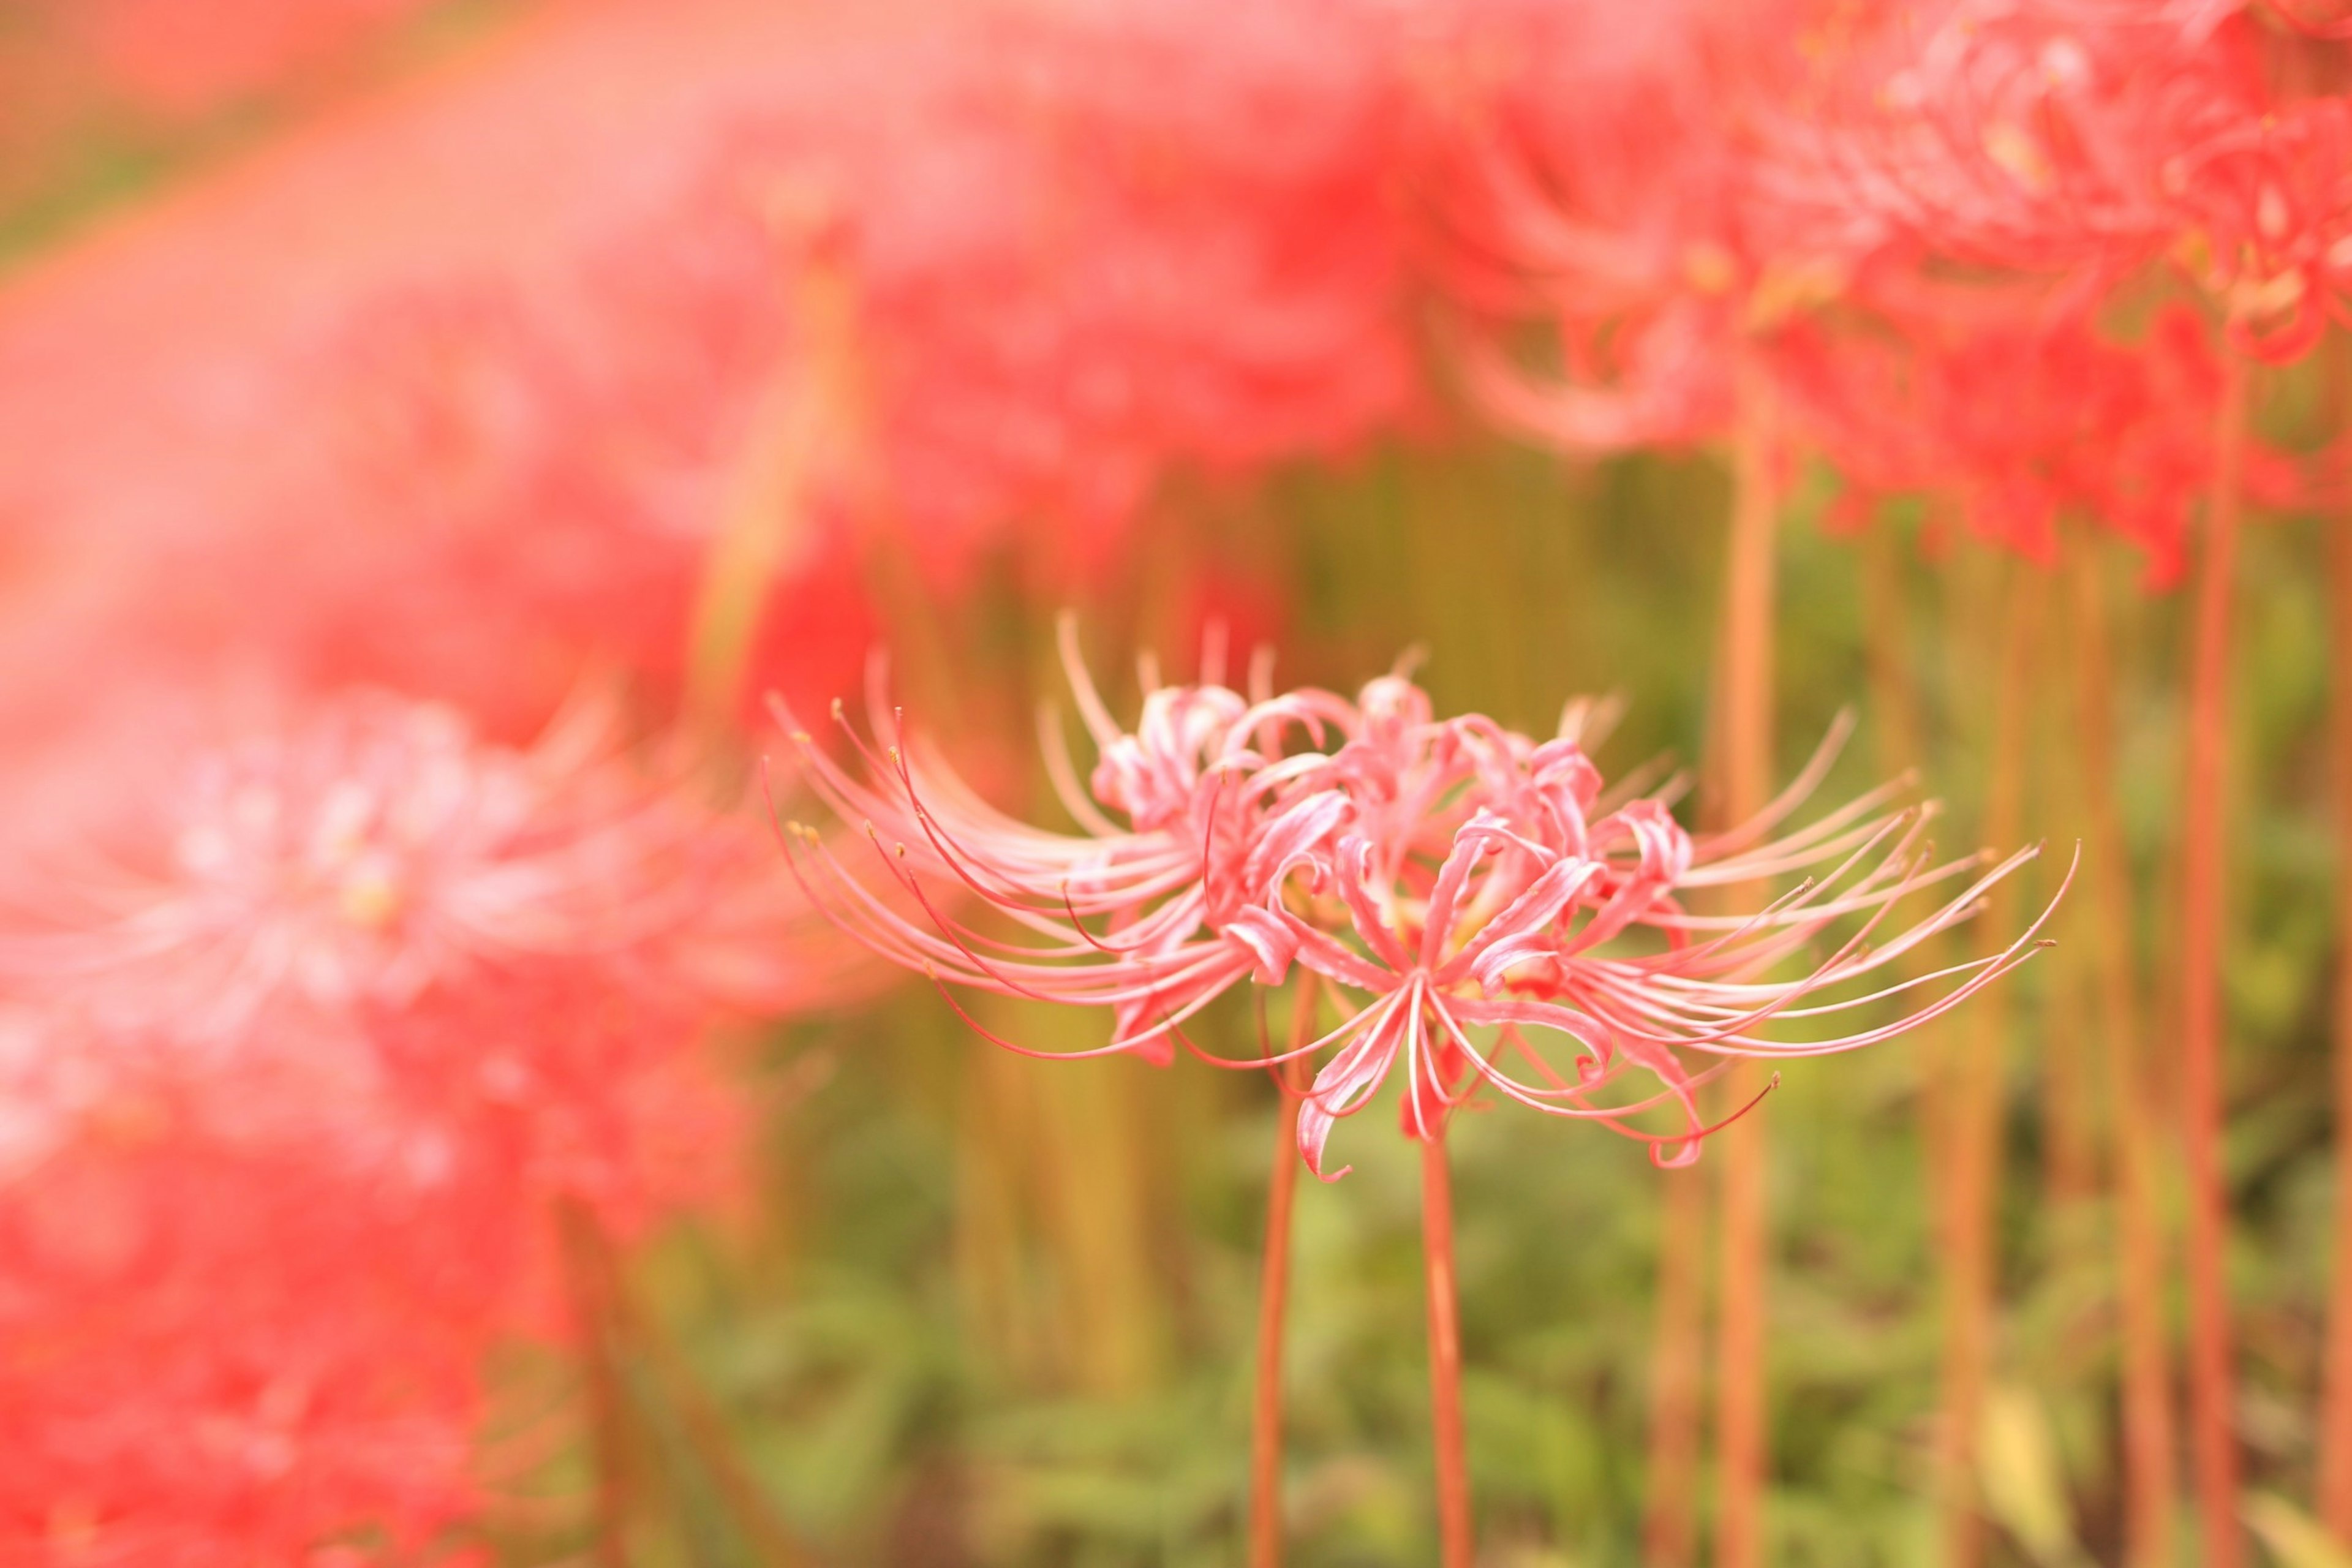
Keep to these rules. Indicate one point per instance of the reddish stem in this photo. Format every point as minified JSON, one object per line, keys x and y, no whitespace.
{"x":1970,"y":1147}
{"x":2336,"y":1414}
{"x":1746,"y":773}
{"x":1668,"y":1537}
{"x":2204,"y":877}
{"x":2147,"y":1415}
{"x":1459,"y":1544}
{"x":1274,"y":1296}
{"x":1739,"y":1409}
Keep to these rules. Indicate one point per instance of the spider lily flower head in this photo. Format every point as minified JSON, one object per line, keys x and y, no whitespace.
{"x":374,"y":848}
{"x":2021,"y":421}
{"x":1477,"y":899}
{"x":1117,"y":916}
{"x":1610,"y":182}
{"x":487,"y":953}
{"x":2089,"y":139}
{"x":1186,"y":245}
{"x":2030,"y":135}
{"x":2269,"y":202}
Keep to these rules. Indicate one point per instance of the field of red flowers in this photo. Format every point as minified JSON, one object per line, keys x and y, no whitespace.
{"x":1078,"y":783}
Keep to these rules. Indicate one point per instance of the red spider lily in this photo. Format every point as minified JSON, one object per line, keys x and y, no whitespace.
{"x":375,"y":851}
{"x":2270,"y":200}
{"x":2025,"y":136}
{"x":521,"y":949}
{"x":1454,"y":875}
{"x":2019,"y":422}
{"x":2092,"y":139}
{"x":1457,"y":876}
{"x":1614,"y":181}
{"x":419,"y":987}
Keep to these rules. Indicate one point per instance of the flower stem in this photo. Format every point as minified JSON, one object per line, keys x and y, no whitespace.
{"x":2204,"y":876}
{"x":1745,"y":670}
{"x":2336,"y":1414}
{"x":2147,"y":1415}
{"x":1676,"y":1369}
{"x":1970,"y":1147}
{"x":1459,"y":1549}
{"x":1274,"y":1296}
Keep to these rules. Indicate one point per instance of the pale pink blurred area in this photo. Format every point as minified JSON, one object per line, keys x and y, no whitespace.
{"x":181,"y":57}
{"x":451,"y":386}
{"x":201,"y":496}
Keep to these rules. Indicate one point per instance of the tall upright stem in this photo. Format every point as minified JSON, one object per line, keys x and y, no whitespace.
{"x":2147,"y":1415}
{"x":1746,"y":669}
{"x":1669,"y":1526}
{"x":1274,"y":1296}
{"x":1970,"y":1147}
{"x":1456,"y":1540}
{"x":2336,"y":1414}
{"x":2204,"y":882}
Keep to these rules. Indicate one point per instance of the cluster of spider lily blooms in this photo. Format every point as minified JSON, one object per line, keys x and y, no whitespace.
{"x":1460,"y":893}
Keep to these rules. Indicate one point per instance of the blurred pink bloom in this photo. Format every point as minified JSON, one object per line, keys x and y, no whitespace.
{"x":1606,"y":171}
{"x":2019,"y":421}
{"x":2090,"y":139}
{"x":1107,"y":243}
{"x":312,"y":1050}
{"x":483,"y":363}
{"x":1456,"y":876}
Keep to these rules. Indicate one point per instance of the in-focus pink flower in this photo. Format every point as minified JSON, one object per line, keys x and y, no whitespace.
{"x":1473,"y":891}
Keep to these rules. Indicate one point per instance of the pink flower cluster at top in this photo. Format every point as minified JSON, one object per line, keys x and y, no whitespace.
{"x":1456,"y":876}
{"x":1849,"y":226}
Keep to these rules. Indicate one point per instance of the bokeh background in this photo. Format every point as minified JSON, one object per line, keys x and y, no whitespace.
{"x":484,"y":351}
